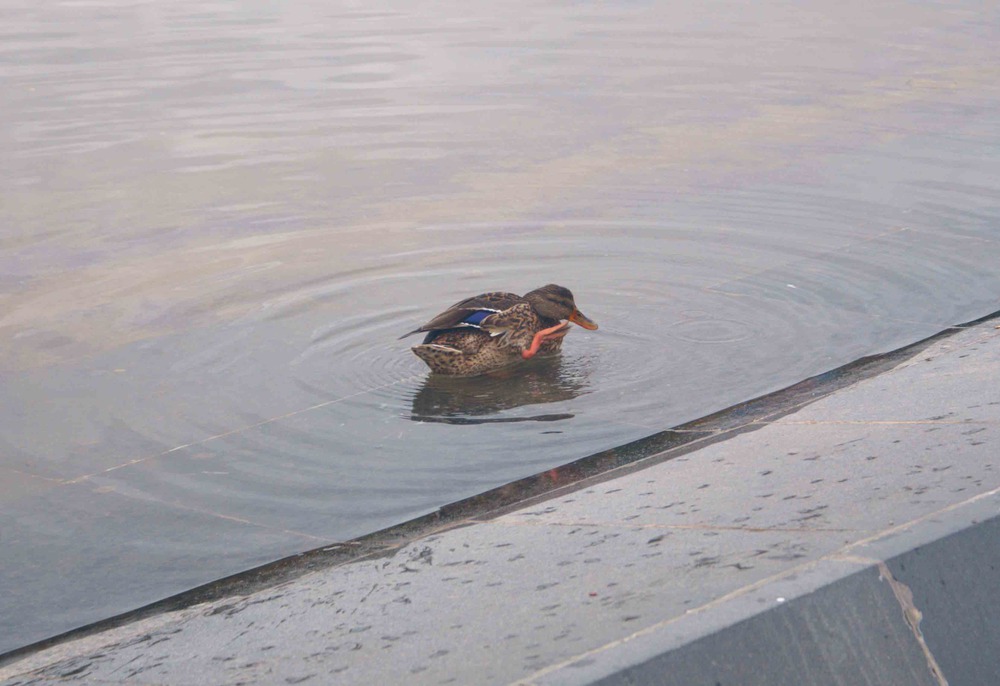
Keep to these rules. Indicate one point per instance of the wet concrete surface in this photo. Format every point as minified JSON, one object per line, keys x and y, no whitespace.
{"x":810,"y":546}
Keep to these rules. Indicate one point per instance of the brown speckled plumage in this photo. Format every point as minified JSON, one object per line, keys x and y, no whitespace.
{"x":504,"y":335}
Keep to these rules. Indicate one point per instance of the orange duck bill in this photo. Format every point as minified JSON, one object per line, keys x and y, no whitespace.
{"x":583,"y":320}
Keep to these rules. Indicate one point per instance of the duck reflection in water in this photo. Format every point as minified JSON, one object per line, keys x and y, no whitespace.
{"x":459,"y":400}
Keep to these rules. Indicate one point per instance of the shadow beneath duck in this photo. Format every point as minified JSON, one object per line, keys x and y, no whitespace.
{"x":472,"y":400}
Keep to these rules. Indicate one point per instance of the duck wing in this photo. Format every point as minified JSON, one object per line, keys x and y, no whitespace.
{"x":515,"y":325}
{"x":470,"y":312}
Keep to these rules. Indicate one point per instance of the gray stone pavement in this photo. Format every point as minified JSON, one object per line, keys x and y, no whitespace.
{"x":609,"y":577}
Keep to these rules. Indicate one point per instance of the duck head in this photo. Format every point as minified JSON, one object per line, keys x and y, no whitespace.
{"x":556,"y":303}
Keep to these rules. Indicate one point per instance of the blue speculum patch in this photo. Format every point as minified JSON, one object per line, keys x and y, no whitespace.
{"x":477,"y":317}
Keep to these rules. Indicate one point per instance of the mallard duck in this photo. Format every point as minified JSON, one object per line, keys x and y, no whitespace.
{"x":492,"y":330}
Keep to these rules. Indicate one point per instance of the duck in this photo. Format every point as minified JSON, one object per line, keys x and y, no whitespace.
{"x":494,"y":330}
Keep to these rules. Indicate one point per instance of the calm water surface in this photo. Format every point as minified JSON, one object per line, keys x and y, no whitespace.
{"x":217,"y":218}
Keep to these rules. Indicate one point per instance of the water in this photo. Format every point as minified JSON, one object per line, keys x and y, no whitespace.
{"x":218,"y":217}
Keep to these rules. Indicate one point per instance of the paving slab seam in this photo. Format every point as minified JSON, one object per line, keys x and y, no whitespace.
{"x":924,"y":518}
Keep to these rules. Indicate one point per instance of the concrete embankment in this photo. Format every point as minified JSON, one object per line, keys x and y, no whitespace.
{"x":848,"y":538}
